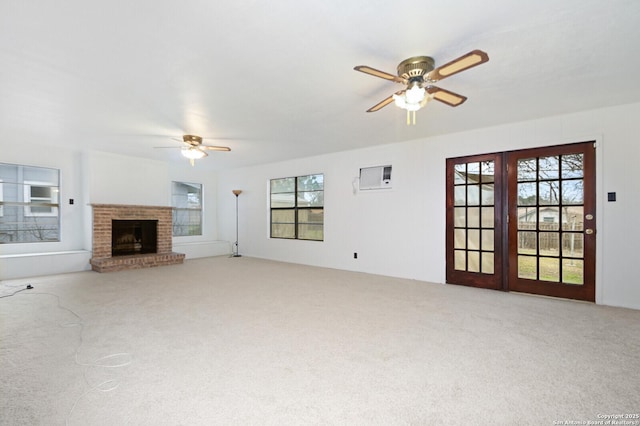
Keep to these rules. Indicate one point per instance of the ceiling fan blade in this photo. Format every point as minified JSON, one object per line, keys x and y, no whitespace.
{"x":445,"y":96}
{"x":383,"y":103}
{"x":214,"y":148}
{"x":464,"y":62}
{"x":377,"y":73}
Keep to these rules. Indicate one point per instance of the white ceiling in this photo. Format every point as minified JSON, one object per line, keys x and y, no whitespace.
{"x":274,"y":80}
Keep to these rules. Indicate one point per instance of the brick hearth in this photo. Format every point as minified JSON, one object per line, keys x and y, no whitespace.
{"x":104,"y":214}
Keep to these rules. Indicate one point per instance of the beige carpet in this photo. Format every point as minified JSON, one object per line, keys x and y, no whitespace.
{"x":242,"y":341}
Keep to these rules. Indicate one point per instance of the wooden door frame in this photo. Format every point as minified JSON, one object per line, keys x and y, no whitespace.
{"x":506,"y":269}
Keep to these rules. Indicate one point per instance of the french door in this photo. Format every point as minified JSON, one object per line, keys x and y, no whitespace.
{"x":524,"y":221}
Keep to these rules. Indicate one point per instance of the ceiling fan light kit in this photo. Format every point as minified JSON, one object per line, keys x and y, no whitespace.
{"x":194,"y":149}
{"x":418,"y":73}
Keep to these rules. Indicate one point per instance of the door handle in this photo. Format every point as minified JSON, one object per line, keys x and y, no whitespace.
{"x":588,"y":231}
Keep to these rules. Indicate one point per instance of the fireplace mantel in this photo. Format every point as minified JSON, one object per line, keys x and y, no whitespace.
{"x":103,"y":216}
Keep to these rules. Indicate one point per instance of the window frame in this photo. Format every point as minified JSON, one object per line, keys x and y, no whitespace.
{"x":296,"y":208}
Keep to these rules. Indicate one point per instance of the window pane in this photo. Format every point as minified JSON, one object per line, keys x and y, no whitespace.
{"x":283,"y":199}
{"x":279,"y":230}
{"x":310,"y":232}
{"x":311,"y":183}
{"x":311,"y":199}
{"x":283,"y":216}
{"x":311,"y":216}
{"x":487,"y":240}
{"x":283,"y":185}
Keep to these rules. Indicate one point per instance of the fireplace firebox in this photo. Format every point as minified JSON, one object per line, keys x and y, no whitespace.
{"x":130,"y":237}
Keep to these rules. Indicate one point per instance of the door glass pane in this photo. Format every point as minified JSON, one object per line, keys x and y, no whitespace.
{"x":572,"y":192}
{"x":549,"y":193}
{"x":572,"y":166}
{"x":473,"y":195}
{"x":487,"y":195}
{"x":572,"y":218}
{"x":473,"y":173}
{"x":488,"y":171}
{"x":527,"y":217}
{"x":549,"y":243}
{"x":527,"y":243}
{"x":572,"y":244}
{"x":459,"y":216}
{"x":549,"y":218}
{"x":549,"y":269}
{"x":487,"y":239}
{"x":549,"y":167}
{"x":474,"y":261}
{"x":473,"y":239}
{"x":527,"y":194}
{"x":460,"y":239}
{"x":488,"y":219}
{"x":572,"y":271}
{"x":459,"y":174}
{"x":460,"y":260}
{"x":473,"y":217}
{"x":487,"y":263}
{"x":527,"y":267}
{"x":527,"y":169}
{"x":460,"y":194}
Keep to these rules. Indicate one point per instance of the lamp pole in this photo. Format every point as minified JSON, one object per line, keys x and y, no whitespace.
{"x":236,"y":252}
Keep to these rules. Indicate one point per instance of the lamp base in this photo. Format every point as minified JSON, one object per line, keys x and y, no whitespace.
{"x":236,"y":255}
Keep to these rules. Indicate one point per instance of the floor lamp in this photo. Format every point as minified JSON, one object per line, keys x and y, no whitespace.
{"x":236,"y":252}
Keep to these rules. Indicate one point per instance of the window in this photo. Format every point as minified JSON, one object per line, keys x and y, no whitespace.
{"x":186,"y":200}
{"x":29,"y":209}
{"x":297,"y":207}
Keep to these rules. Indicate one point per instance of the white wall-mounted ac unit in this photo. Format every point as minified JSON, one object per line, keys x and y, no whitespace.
{"x":378,"y":177}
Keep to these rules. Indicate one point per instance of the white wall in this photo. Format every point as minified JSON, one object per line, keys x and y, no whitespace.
{"x":401,"y":232}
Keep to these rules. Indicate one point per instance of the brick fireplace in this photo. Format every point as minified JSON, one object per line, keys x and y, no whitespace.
{"x":108,"y":255}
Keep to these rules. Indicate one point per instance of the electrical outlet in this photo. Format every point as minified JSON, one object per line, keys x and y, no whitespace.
{"x":355,"y":255}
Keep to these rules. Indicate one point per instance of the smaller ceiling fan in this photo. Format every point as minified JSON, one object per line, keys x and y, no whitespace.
{"x":193,"y":149}
{"x":418,"y":74}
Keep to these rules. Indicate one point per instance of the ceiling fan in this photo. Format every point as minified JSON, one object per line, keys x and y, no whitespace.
{"x":418,"y":74}
{"x":193,"y":149}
